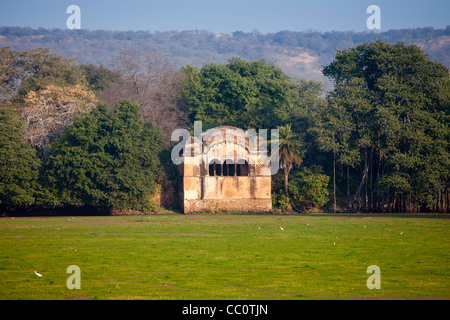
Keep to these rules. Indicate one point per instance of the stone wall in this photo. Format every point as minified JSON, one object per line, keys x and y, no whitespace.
{"x":231,"y":205}
{"x":226,"y":193}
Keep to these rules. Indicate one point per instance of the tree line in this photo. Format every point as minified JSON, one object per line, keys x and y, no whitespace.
{"x":86,"y":135}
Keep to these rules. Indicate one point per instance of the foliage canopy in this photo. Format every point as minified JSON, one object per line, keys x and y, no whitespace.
{"x":107,"y":160}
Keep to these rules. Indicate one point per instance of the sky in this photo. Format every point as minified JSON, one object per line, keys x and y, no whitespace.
{"x":226,"y":16}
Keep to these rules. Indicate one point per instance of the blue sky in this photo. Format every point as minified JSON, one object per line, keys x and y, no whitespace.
{"x":227,"y":15}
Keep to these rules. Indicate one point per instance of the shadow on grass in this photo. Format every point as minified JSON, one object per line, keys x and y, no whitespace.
{"x":57,"y":211}
{"x":98,"y":211}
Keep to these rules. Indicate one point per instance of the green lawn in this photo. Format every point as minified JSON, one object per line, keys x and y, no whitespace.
{"x":225,"y":257}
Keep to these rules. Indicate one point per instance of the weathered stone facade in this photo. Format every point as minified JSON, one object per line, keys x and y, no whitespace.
{"x":222,"y":172}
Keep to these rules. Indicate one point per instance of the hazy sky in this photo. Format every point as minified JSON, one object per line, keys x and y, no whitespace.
{"x":227,"y":15}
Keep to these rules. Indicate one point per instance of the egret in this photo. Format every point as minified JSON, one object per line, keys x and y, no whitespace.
{"x":38,"y":274}
{"x":281,"y":228}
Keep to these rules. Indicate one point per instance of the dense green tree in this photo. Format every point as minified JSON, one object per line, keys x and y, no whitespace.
{"x":339,"y":128}
{"x":38,"y":68}
{"x":309,"y":188}
{"x":244,"y":94}
{"x":107,"y":160}
{"x":99,"y":77}
{"x":19,"y":164}
{"x":394,"y":103}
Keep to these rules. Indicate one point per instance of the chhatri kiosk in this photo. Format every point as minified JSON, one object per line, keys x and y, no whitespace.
{"x":225,"y":170}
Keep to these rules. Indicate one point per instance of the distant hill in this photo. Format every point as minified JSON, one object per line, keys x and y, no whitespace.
{"x":299,"y":54}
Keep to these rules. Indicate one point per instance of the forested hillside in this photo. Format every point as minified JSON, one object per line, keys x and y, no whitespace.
{"x":298,"y":54}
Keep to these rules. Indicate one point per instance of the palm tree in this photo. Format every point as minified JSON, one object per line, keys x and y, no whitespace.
{"x":290,"y":152}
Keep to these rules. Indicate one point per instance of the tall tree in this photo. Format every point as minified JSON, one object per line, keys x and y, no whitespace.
{"x":50,"y":110}
{"x":47,"y":90}
{"x":246,"y":94}
{"x":99,"y":77}
{"x":149,"y":79}
{"x":107,"y":160}
{"x":19,"y":164}
{"x":290,"y":152}
{"x":397,"y":102}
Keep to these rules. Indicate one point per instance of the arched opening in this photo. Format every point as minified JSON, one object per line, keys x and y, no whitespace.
{"x":214,"y":168}
{"x":228,"y":168}
{"x":218,"y":168}
{"x":242,"y":169}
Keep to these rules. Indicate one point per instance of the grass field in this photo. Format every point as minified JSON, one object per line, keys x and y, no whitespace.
{"x":225,"y":257}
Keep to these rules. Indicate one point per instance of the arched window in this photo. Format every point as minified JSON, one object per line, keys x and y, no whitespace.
{"x":218,"y":169}
{"x":214,"y":168}
{"x":228,"y":168}
{"x":225,"y":169}
{"x":242,"y":169}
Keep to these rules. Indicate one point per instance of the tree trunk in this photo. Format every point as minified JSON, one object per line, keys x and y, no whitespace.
{"x":348,"y":183}
{"x":361,"y":184}
{"x":366,"y":196}
{"x":334,"y":182}
{"x":371,"y":181}
{"x":286,"y":176}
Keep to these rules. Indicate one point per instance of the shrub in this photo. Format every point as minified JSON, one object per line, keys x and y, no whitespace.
{"x":309,"y":188}
{"x":107,"y":160}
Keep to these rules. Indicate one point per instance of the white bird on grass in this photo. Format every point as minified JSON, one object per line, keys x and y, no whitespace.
{"x":38,"y":274}
{"x":281,"y":228}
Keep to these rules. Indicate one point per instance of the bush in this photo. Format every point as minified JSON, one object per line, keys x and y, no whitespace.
{"x":19,"y":164}
{"x":107,"y":160}
{"x":309,"y":188}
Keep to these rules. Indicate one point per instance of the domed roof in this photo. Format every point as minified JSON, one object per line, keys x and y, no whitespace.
{"x":220,"y":135}
{"x":227,"y":134}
